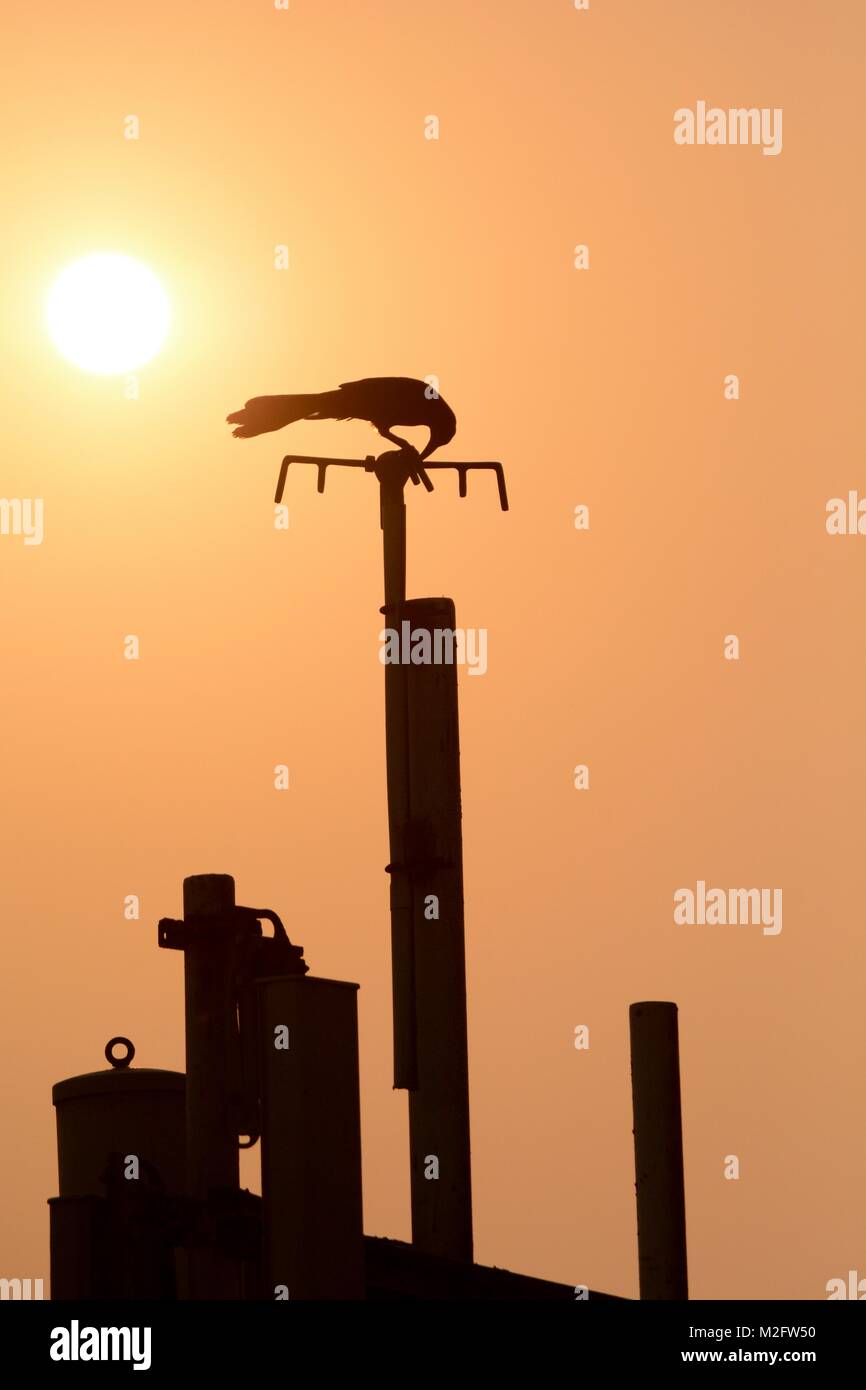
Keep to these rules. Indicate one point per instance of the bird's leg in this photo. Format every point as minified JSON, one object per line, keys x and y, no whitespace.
{"x":394,"y":438}
{"x":404,"y":446}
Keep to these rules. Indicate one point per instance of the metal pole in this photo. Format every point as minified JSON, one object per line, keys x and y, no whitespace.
{"x":427,"y":940}
{"x":392,"y":507}
{"x":439,"y":1106}
{"x":428,"y":966}
{"x":212,"y":1068}
{"x":658,"y":1151}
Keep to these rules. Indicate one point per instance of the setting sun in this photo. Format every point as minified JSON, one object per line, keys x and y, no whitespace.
{"x":108,"y":314}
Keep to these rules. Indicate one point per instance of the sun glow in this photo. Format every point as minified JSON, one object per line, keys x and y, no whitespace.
{"x":108,"y":313}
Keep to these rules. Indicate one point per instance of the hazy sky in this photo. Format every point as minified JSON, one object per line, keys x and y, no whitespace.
{"x":603,"y":387}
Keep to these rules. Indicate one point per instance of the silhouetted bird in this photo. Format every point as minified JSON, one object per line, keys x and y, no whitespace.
{"x":385,"y":401}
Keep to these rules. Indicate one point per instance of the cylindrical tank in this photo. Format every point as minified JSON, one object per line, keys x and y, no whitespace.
{"x":122,"y":1110}
{"x":112,"y":1231}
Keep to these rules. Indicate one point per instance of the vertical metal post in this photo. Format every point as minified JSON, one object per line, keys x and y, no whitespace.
{"x":393,"y":518}
{"x":212,"y":1069}
{"x":393,"y":521}
{"x":439,"y":1106}
{"x":427,"y":936}
{"x":658,"y":1151}
{"x":311,"y":1139}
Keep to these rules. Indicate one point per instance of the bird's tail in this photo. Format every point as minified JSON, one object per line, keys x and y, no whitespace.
{"x":264,"y":413}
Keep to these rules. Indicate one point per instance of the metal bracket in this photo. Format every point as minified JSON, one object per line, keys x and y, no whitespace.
{"x":418,"y":858}
{"x":254,"y":956}
{"x":263,"y":955}
{"x":415,"y":868}
{"x":416,"y":470}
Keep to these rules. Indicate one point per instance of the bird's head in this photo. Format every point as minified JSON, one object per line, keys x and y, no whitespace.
{"x":442,"y":423}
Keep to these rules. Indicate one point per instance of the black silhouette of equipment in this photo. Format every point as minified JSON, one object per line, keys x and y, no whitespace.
{"x":425,"y":865}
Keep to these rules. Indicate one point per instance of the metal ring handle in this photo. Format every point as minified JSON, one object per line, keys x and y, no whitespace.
{"x":119,"y":1062}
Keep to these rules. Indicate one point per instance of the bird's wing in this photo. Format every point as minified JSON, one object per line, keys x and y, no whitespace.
{"x":382,"y":381}
{"x":373,"y":395}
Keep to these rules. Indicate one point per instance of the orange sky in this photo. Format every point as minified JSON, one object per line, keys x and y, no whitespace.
{"x":604,"y":387}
